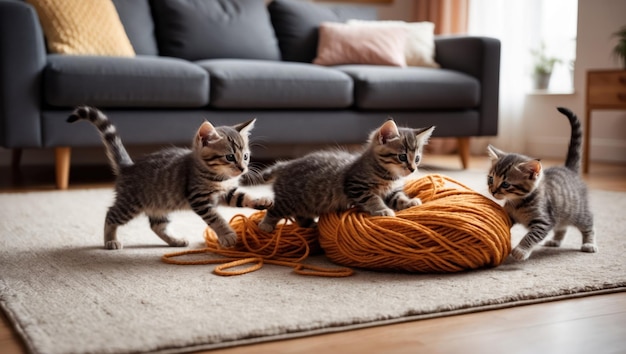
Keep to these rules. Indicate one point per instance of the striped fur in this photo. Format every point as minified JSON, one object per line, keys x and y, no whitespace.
{"x":171,"y":179}
{"x":543,"y":199}
{"x":330,"y":181}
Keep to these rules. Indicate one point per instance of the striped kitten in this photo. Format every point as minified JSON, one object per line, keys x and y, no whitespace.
{"x":176,"y":178}
{"x":331,"y":181}
{"x":544,"y":199}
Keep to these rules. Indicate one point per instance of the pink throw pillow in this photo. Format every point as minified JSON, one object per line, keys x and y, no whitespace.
{"x":340,"y":43}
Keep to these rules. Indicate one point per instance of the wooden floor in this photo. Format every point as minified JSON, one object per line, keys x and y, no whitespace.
{"x":593,"y":324}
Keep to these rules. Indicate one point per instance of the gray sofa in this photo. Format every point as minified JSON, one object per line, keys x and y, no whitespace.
{"x":256,"y":65}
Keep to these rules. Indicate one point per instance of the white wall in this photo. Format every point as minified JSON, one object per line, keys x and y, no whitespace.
{"x":548,"y":138}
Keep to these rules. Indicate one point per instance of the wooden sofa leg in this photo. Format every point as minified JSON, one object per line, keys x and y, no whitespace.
{"x":464,"y":151}
{"x":62,"y":166}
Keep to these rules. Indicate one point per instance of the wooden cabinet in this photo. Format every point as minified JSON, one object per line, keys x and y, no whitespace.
{"x":606,"y":89}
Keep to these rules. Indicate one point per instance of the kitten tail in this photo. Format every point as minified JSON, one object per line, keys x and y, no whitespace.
{"x":116,"y":153}
{"x":572,"y":161}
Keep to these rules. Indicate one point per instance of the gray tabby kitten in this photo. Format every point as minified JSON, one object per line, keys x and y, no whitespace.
{"x":199,"y":178}
{"x":544,"y":199}
{"x":331,"y":181}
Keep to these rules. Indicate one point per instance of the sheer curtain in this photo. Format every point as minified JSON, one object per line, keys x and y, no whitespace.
{"x":517,"y":24}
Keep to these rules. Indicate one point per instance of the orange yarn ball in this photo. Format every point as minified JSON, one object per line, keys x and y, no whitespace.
{"x":455,"y":229}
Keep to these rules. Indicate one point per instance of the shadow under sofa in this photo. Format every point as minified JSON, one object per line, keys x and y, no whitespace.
{"x":158,"y":99}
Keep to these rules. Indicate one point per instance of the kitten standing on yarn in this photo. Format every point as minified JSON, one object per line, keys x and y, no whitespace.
{"x":172,"y":179}
{"x":330,"y":181}
{"x":544,"y":199}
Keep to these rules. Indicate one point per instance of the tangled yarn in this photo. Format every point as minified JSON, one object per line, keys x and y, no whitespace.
{"x":455,"y":229}
{"x":289,"y":245}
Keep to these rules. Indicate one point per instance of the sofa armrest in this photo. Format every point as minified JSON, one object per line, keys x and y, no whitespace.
{"x":22,"y":59}
{"x":480,"y":58}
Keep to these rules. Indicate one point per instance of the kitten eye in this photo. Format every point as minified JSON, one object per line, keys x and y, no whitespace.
{"x":402,"y":157}
{"x":490,"y":180}
{"x":505,"y":185}
{"x":246,"y":156}
{"x":230,"y":157}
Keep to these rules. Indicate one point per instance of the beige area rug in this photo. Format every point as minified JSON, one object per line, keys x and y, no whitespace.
{"x":65,"y":294}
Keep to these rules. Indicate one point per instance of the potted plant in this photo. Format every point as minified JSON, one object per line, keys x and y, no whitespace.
{"x":542,"y":67}
{"x":619,"y":52}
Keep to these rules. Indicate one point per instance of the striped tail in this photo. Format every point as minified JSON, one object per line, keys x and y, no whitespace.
{"x":118,"y":157}
{"x":574,"y":154}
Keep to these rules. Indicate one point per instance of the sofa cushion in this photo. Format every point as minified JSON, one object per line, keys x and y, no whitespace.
{"x":268,"y":84}
{"x":210,"y":29}
{"x":83,"y":27}
{"x":296,"y":24}
{"x":420,"y":43}
{"x":382,"y":87}
{"x":137,"y":20}
{"x":143,"y":81}
{"x":340,"y":43}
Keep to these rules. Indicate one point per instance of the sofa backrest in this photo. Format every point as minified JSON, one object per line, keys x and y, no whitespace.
{"x":201,"y":29}
{"x":139,"y":25}
{"x":296,"y":24}
{"x":244,"y":29}
{"x":137,"y":20}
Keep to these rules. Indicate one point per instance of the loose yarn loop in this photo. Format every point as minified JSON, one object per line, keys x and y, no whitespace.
{"x":287,"y":246}
{"x":455,"y":229}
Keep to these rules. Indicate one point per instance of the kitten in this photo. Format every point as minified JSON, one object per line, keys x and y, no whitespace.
{"x":176,"y":178}
{"x":330,"y":181}
{"x":544,"y":199}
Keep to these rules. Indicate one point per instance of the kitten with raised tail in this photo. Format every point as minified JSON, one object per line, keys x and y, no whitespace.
{"x":544,"y":199}
{"x":335,"y":180}
{"x":175,"y":178}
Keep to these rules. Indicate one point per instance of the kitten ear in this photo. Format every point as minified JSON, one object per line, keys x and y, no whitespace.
{"x":207,"y":134}
{"x":388,"y":131}
{"x":494,"y":153}
{"x":245,"y":128}
{"x":531,"y":168}
{"x":424,"y":134}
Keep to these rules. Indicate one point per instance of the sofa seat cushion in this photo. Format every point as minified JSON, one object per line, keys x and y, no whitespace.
{"x":239,"y":83}
{"x":143,"y":81}
{"x":385,"y":87}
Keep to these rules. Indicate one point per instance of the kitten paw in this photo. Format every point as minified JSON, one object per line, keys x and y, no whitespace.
{"x":228,"y":239}
{"x":383,"y":212}
{"x":552,"y":243}
{"x":589,"y":247}
{"x":261,"y":203}
{"x":520,"y":254}
{"x":265,"y":227}
{"x":410,"y":203}
{"x":113,"y":245}
{"x":178,"y":242}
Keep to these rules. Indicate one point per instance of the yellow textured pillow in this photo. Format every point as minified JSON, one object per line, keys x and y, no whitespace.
{"x":83,"y":27}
